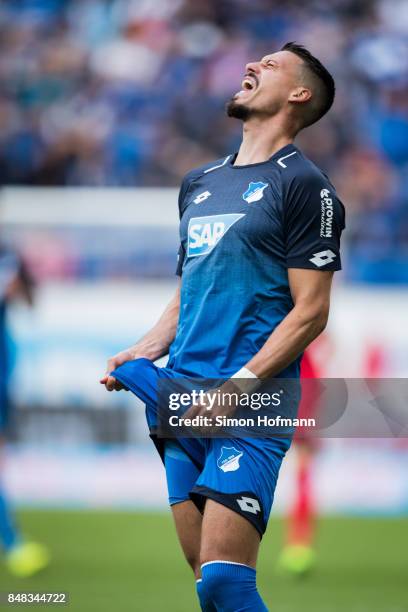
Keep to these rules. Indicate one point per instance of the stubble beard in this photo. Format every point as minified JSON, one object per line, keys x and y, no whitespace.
{"x":238,"y":111}
{"x":242,"y":111}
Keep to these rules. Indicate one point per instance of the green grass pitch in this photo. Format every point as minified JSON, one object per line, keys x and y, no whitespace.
{"x":122,"y":561}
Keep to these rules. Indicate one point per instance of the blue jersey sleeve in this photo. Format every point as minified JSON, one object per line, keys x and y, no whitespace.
{"x":180,"y":260}
{"x":181,"y":205}
{"x":313,"y":221}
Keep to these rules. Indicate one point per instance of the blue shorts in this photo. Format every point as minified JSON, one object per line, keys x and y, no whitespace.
{"x":239,"y":473}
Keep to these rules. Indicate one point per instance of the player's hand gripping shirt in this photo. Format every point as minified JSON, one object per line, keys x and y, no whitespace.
{"x":241,"y":228}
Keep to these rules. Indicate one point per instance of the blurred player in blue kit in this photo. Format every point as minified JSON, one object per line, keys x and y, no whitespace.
{"x":259,"y":242}
{"x":22,"y":558}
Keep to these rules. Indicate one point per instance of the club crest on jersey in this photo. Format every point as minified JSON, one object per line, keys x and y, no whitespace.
{"x":254,"y":192}
{"x":228,"y":461}
{"x":204,"y":233}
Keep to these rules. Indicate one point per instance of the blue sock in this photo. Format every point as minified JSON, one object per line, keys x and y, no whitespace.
{"x":8,"y":531}
{"x":206,"y":604}
{"x":231,"y":587}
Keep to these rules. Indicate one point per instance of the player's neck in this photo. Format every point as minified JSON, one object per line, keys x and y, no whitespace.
{"x":260,"y":141}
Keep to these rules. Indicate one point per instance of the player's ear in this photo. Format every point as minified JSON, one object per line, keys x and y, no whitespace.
{"x":300,"y":94}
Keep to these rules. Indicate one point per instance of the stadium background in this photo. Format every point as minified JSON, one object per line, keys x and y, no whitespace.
{"x":104,"y":106}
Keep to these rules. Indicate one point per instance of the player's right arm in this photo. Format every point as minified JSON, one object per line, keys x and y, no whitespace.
{"x":152,"y":346}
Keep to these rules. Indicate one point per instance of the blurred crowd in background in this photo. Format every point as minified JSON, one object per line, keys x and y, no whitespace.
{"x":131,"y":93}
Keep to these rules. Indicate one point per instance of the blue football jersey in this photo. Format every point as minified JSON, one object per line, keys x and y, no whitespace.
{"x":241,"y":228}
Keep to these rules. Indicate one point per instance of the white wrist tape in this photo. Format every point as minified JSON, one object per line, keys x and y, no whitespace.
{"x":249,"y":381}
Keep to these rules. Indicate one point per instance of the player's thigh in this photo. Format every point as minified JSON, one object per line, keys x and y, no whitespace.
{"x":181,"y":476}
{"x":188,"y":521}
{"x":227,"y":536}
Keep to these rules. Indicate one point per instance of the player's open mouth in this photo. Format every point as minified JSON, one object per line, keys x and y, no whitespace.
{"x":249,"y":83}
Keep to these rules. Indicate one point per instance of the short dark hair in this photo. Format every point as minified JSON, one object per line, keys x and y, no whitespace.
{"x":324,"y":89}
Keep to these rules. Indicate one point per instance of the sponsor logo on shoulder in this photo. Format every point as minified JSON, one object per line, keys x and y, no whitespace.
{"x":204,"y":233}
{"x":323,"y":258}
{"x":228,"y":461}
{"x":326,"y":216}
{"x":254,"y":192}
{"x":201,"y":197}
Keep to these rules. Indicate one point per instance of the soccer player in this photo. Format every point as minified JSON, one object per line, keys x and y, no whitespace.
{"x":260,"y":233}
{"x":23,"y":559}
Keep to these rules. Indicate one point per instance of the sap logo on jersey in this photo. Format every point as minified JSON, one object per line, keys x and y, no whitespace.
{"x":254,"y":192}
{"x":204,"y":233}
{"x":228,"y":461}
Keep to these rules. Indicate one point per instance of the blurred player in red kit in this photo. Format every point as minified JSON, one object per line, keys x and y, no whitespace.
{"x":298,"y":556}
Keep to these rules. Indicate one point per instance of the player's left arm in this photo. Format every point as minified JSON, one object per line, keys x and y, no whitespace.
{"x":313,"y":220}
{"x":310,"y":291}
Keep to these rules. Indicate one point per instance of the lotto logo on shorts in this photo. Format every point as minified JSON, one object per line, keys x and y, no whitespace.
{"x":204,"y":233}
{"x":248,"y":504}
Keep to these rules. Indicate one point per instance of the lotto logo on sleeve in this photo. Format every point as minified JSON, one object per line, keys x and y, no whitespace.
{"x":204,"y":233}
{"x":323,"y":258}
